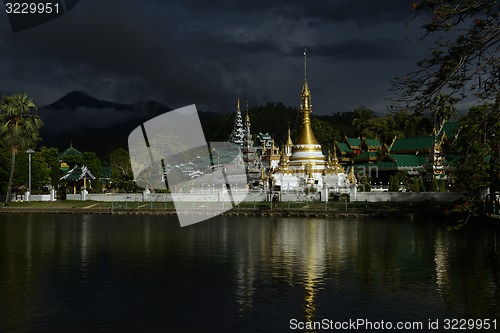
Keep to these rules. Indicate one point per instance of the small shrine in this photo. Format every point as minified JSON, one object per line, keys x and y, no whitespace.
{"x":78,"y":177}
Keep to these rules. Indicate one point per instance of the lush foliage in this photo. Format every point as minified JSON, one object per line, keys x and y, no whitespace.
{"x":464,"y":65}
{"x":479,"y":148}
{"x":400,"y":181}
{"x":362,"y":119}
{"x":19,"y":128}
{"x":415,"y":187}
{"x":465,"y":61}
{"x":364,"y":184}
{"x":121,"y":171}
{"x":395,"y":124}
{"x":434,"y":185}
{"x":50,"y":157}
{"x":40,"y":172}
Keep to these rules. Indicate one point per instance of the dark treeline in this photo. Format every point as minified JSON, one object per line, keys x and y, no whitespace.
{"x":274,"y":118}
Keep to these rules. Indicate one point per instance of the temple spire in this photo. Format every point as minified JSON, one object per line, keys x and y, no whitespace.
{"x":289,"y":137}
{"x":335,"y":159}
{"x":306,"y":93}
{"x":306,"y":134}
{"x":247,"y":118}
{"x":305,"y":64}
{"x":238,"y":134}
{"x":238,"y":106}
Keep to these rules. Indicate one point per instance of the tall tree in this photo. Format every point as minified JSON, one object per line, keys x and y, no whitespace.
{"x":120,"y":163}
{"x":325,"y":132}
{"x":51,"y":158}
{"x":19,"y":128}
{"x":40,"y":171}
{"x":465,"y":62}
{"x":121,"y":171}
{"x":361,"y":119}
{"x":409,"y":124}
{"x":479,"y":147}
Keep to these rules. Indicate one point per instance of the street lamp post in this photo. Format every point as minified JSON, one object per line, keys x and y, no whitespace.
{"x":29,"y":152}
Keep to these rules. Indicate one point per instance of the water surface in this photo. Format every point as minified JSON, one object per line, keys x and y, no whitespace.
{"x":102,"y":273}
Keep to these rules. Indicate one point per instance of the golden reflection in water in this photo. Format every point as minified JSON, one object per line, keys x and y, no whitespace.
{"x":314,"y":264}
{"x":245,"y":275}
{"x":441,"y":247}
{"x":295,"y":252}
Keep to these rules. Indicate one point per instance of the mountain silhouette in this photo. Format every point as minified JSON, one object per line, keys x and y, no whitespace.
{"x":80,"y":99}
{"x":91,"y":124}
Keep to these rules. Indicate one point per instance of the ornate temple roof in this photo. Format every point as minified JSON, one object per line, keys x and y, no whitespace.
{"x":372,"y":143}
{"x":353,"y":143}
{"x":367,"y":156}
{"x":78,"y":173}
{"x":422,"y":144}
{"x":70,"y":152}
{"x":398,"y":162}
{"x":405,"y":161}
{"x":344,"y":148}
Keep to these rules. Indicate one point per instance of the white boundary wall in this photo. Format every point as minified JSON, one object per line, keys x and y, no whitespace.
{"x":73,"y":197}
{"x":259,"y":196}
{"x":42,"y":197}
{"x":122,"y":197}
{"x":406,"y":196}
{"x":167,"y":197}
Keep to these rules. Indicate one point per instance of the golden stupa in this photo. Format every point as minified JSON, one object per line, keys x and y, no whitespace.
{"x":306,"y":152}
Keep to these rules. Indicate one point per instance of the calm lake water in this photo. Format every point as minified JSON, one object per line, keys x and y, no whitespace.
{"x":92,"y":273}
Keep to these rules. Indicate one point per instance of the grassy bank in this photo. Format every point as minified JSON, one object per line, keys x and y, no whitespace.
{"x":416,"y":210}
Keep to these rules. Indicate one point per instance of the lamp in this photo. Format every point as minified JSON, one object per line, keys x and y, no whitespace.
{"x":29,"y":152}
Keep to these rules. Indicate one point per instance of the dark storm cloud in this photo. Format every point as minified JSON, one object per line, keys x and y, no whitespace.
{"x":194,"y":51}
{"x":360,"y":11}
{"x":358,"y":49}
{"x":128,"y":41}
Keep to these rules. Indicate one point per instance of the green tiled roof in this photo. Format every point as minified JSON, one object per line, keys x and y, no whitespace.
{"x":344,"y":148}
{"x":413,"y":145}
{"x":70,"y":152}
{"x":264,"y":136}
{"x":77,"y":173}
{"x":366,"y":156}
{"x":353,"y":142}
{"x":372,"y":143}
{"x":384,"y":165}
{"x":396,"y":162}
{"x":405,"y":161}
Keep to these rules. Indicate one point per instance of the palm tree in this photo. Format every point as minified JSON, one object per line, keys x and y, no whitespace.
{"x":19,"y":126}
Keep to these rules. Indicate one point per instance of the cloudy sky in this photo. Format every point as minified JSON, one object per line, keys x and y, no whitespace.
{"x":182,"y":52}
